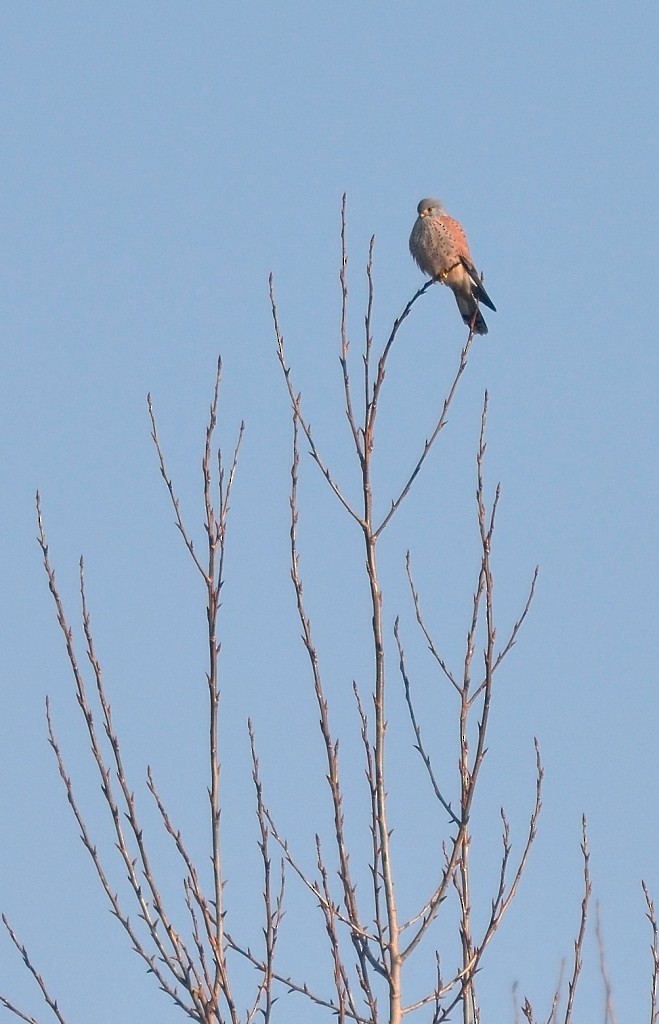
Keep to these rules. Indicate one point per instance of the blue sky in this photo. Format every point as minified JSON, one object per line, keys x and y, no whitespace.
{"x":158,"y":162}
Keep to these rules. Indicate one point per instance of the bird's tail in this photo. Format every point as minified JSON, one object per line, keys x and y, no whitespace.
{"x":470,"y":313}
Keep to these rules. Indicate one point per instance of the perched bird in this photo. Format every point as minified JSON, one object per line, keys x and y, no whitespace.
{"x":439,"y":245}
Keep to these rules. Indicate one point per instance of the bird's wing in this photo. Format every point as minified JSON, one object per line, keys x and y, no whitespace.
{"x":458,"y":239}
{"x":479,"y":291}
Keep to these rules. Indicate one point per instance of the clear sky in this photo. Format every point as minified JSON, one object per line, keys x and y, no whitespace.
{"x":159,"y":160}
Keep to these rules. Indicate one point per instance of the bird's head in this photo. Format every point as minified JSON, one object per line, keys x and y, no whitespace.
{"x":427,"y":207}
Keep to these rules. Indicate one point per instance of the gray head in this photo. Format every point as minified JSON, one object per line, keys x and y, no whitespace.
{"x":427,"y":206}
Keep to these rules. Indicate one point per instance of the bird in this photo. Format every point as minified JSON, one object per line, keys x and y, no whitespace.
{"x":439,"y":246}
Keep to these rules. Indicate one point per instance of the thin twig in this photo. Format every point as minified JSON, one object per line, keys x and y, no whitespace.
{"x":419,"y":746}
{"x":578,"y":945}
{"x":654,"y":949}
{"x":609,"y":1009}
{"x":51,"y":1003}
{"x":420,"y":619}
{"x":439,"y":426}
{"x":296,"y":405}
{"x":357,"y":436}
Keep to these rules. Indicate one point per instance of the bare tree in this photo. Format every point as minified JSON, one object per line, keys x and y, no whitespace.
{"x":372,"y":945}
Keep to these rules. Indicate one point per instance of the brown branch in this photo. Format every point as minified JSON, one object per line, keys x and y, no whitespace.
{"x":314,"y":888}
{"x":520,"y":622}
{"x":345,"y":1001}
{"x":296,"y":405}
{"x":578,"y":945}
{"x":179,"y":956}
{"x":192,"y":883}
{"x":365,"y":957}
{"x":419,"y":746}
{"x":373,"y":399}
{"x":179,"y":968}
{"x":484,"y":588}
{"x":170,"y":486}
{"x":151,"y":960}
{"x":420,"y":619}
{"x":527,"y":1010}
{"x":51,"y":1003}
{"x":330,"y":745}
{"x":506,"y":892}
{"x":357,"y":435}
{"x":205,"y":986}
{"x":439,"y":426}
{"x":368,"y":334}
{"x":609,"y":1009}
{"x":654,"y":949}
{"x":273,"y":904}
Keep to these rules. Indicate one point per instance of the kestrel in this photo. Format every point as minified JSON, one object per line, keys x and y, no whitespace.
{"x":439,"y":245}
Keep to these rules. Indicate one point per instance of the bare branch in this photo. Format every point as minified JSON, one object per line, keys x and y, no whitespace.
{"x":527,"y":1010}
{"x":296,"y":405}
{"x":419,"y":618}
{"x":609,"y":1009}
{"x":365,"y":957}
{"x":520,"y":622}
{"x":373,"y":399}
{"x":179,"y":957}
{"x":425,"y":757}
{"x":357,"y":435}
{"x":368,"y":334}
{"x":179,"y":969}
{"x":151,"y":960}
{"x":273,"y":904}
{"x":578,"y":945}
{"x":168,"y":480}
{"x":506,"y":894}
{"x":654,"y":949}
{"x":193,"y":886}
{"x":439,"y":426}
{"x":51,"y":1003}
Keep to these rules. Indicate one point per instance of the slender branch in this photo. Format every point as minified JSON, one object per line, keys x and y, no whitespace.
{"x":300,"y":988}
{"x":372,"y":401}
{"x":439,"y":426}
{"x":170,"y":486}
{"x":297,"y":408}
{"x":578,"y":945}
{"x":273,"y":904}
{"x":609,"y":1009}
{"x":366,"y":958}
{"x":179,"y":968}
{"x":431,"y":908}
{"x":654,"y":949}
{"x":50,"y":1001}
{"x":179,"y":955}
{"x":193,"y":885}
{"x":345,"y":343}
{"x":556,"y":1000}
{"x":352,"y":917}
{"x":357,"y":930}
{"x":419,"y":746}
{"x":520,"y":622}
{"x":151,"y":960}
{"x":507,"y":892}
{"x":368,"y":333}
{"x":420,"y":619}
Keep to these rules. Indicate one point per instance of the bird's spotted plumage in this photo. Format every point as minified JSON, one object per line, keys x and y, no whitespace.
{"x":439,"y":245}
